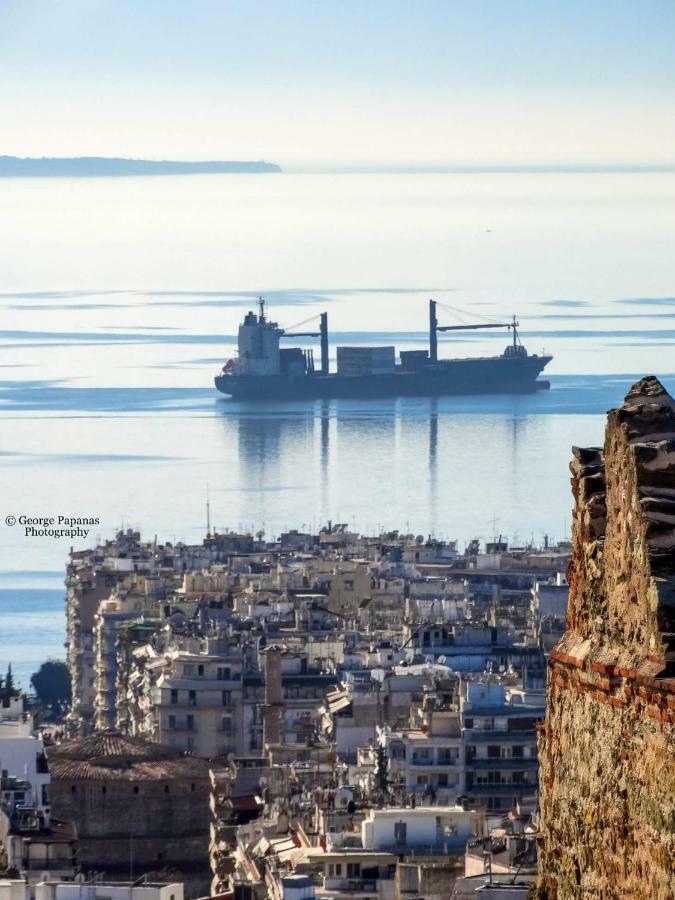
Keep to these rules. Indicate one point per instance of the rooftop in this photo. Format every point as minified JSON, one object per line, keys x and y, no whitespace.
{"x":108,"y":755}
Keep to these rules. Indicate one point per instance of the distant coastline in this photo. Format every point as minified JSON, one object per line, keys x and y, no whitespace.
{"x":101,"y":166}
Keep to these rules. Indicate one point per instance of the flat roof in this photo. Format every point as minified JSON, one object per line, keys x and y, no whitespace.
{"x":406,"y":810}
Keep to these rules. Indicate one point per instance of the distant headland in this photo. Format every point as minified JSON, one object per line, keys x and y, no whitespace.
{"x":100,"y":166}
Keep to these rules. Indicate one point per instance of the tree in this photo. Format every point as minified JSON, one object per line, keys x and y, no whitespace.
{"x":9,"y":679}
{"x":51,"y":684}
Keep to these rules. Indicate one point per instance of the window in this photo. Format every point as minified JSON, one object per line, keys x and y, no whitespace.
{"x":227,"y":698}
{"x":188,"y":670}
{"x":190,"y":723}
{"x":468,"y":723}
{"x":172,"y":721}
{"x":200,"y":670}
{"x":400,"y":832}
{"x":517,"y":751}
{"x":174,"y":695}
{"x":223,"y":673}
{"x":190,"y":743}
{"x":353,"y":870}
{"x":443,"y":780}
{"x":192,"y":698}
{"x":494,"y":751}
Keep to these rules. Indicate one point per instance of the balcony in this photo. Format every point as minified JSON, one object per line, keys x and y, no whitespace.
{"x":431,"y":763}
{"x":442,"y":847}
{"x":351,"y":885}
{"x":502,"y":788}
{"x":64,"y":868}
{"x":508,"y":762}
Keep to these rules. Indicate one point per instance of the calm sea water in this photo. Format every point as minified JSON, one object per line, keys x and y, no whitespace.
{"x":31,"y":622}
{"x":121,"y":298}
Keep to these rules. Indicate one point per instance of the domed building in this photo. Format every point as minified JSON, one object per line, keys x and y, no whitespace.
{"x":137,"y":806}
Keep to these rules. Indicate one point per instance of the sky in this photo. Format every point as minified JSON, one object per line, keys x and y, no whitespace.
{"x":313,"y":83}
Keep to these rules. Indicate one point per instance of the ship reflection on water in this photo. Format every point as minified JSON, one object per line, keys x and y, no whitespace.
{"x":435,"y":465}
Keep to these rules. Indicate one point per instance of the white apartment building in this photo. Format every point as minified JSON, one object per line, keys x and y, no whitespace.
{"x":196,"y":704}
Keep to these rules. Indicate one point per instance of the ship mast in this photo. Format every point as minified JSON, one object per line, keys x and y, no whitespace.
{"x":434,"y":328}
{"x":433,"y":332}
{"x":514,"y":326}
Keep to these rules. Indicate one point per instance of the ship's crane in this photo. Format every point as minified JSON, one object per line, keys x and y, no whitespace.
{"x":434,"y":328}
{"x":321,"y":333}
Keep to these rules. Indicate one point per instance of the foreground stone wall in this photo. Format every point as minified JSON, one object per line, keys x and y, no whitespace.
{"x":607,"y":748}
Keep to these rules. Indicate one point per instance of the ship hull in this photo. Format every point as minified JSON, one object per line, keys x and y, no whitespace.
{"x":497,"y":375}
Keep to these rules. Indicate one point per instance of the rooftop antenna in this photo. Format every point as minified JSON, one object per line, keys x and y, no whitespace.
{"x":261,"y":307}
{"x":208,"y":511}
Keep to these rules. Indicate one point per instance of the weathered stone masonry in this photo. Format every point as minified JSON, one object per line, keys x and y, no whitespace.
{"x":607,"y":748}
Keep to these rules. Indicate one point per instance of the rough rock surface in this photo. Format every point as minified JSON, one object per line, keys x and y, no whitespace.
{"x":607,"y":747}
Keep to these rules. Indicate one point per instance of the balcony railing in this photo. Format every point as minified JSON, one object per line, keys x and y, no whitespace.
{"x":505,"y":762}
{"x":516,"y":788}
{"x":454,"y":845}
{"x":426,"y":763}
{"x":350,"y":885}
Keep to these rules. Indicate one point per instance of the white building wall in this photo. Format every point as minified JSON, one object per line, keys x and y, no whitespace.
{"x":19,"y":757}
{"x":13,"y":890}
{"x":72,"y":891}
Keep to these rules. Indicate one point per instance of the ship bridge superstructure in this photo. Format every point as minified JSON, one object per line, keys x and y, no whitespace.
{"x":260,"y":353}
{"x":258,"y":345}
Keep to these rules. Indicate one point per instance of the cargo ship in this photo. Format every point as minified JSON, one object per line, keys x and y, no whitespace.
{"x":264,"y":370}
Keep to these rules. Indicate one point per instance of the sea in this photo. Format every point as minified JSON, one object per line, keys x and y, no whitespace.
{"x":120,"y":301}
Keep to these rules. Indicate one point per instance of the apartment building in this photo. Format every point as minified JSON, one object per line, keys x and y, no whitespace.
{"x":500,"y":746}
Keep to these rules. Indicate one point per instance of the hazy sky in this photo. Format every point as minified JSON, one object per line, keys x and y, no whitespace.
{"x":424,"y":81}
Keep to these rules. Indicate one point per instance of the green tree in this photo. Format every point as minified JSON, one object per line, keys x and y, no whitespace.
{"x":9,"y":679}
{"x":51,"y":684}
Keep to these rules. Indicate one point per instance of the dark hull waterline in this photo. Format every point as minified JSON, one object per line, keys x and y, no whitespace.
{"x":496,"y":375}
